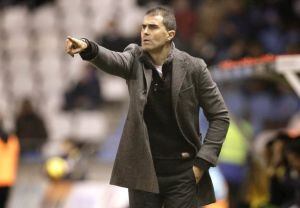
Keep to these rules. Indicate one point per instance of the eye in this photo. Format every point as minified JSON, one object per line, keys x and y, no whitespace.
{"x":152,"y":27}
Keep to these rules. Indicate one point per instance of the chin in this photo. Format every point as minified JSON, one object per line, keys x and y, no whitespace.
{"x":148,"y":48}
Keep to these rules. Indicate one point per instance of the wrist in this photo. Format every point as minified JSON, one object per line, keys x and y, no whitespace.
{"x":86,"y":44}
{"x":90,"y":51}
{"x":202,"y":164}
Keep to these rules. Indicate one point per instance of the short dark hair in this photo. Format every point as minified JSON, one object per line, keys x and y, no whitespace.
{"x":169,"y":20}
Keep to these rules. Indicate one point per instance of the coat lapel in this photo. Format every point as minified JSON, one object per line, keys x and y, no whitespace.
{"x":148,"y":77}
{"x":178,"y":75}
{"x":147,"y":72}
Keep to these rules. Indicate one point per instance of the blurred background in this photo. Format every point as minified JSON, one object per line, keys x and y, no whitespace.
{"x":61,"y":120}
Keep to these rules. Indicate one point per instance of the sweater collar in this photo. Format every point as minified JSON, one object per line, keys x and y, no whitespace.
{"x":146,"y":58}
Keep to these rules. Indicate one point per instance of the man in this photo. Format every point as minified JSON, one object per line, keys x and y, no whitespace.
{"x":9,"y":158}
{"x":161,"y":158}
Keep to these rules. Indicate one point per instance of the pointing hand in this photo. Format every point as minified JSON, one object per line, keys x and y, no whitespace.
{"x":74,"y":46}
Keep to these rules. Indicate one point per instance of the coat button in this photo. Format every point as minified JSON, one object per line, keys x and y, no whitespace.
{"x":185,"y":155}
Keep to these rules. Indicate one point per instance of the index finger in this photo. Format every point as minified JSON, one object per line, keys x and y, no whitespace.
{"x":73,"y":40}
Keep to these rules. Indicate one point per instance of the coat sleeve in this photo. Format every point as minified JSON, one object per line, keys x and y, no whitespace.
{"x":215,"y":110}
{"x":115,"y":63}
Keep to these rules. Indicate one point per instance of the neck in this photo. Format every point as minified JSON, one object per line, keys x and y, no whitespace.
{"x":160,"y":55}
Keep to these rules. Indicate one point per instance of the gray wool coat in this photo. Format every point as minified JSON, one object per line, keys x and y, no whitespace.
{"x":192,"y":87}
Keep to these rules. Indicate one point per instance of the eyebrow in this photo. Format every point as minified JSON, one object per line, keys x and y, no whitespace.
{"x":144,"y":25}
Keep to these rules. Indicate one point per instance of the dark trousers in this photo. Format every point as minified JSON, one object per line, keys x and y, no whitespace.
{"x":176,"y":191}
{"x":4,"y":193}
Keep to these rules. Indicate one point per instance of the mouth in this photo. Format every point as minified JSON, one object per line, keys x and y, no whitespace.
{"x":146,"y":41}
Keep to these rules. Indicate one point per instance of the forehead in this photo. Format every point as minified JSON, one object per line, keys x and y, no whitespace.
{"x":153,"y":19}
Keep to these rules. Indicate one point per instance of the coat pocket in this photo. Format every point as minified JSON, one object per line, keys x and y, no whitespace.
{"x":187,"y":89}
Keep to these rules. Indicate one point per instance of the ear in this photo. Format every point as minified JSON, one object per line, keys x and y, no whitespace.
{"x":171,"y":34}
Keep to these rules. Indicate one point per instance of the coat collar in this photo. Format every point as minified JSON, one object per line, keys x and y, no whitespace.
{"x":147,"y":60}
{"x":148,"y":65}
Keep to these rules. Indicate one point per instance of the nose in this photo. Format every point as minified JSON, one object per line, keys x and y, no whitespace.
{"x":146,"y":31}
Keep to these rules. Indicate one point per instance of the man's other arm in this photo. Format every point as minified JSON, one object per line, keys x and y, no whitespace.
{"x":216,"y":113}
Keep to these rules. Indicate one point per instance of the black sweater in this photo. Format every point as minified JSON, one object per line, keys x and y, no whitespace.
{"x":166,"y":141}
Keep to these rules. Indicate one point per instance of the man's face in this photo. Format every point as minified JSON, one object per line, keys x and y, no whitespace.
{"x":154,"y":34}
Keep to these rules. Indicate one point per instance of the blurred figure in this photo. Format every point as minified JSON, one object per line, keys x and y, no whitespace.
{"x":86,"y":94}
{"x":60,"y":170}
{"x":9,"y":156}
{"x":186,"y":20}
{"x":70,"y":164}
{"x":233,"y":158}
{"x":30,"y":128}
{"x":146,"y":3}
{"x":3,"y":133}
{"x":65,"y":169}
{"x":280,"y":156}
{"x":292,"y":153}
{"x":32,"y":4}
{"x":113,"y":39}
{"x":255,"y":190}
